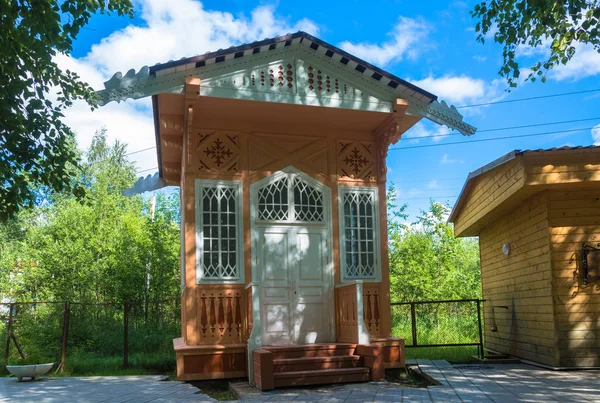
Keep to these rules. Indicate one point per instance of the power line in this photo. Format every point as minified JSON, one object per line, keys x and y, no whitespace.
{"x":146,"y":170}
{"x":401,"y":199}
{"x":529,"y":98}
{"x":436,"y":179}
{"x":139,"y":151}
{"x":491,"y":139}
{"x":455,"y":133}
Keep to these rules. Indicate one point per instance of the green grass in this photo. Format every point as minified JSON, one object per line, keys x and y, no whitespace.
{"x":81,"y":364}
{"x":454,"y":355}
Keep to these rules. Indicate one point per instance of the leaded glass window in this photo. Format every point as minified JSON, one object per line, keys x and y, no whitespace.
{"x":219,"y":228}
{"x":359,"y":231}
{"x":291,"y":199}
{"x":308,"y":202}
{"x":273,"y":201}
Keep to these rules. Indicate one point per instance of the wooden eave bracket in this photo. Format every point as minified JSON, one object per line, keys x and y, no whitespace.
{"x":392,"y":129}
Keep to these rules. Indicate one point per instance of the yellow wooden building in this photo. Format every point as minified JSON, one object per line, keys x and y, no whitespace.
{"x":537,"y":216}
{"x":279,"y":150}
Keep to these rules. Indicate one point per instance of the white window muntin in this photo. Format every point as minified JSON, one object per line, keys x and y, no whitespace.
{"x":234,"y":236}
{"x":360,"y":248}
{"x":293,"y":198}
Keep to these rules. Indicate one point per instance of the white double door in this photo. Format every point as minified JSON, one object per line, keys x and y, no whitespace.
{"x":296,"y":285}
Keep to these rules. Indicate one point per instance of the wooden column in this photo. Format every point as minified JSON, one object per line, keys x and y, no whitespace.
{"x":188,"y":198}
{"x":388,"y":133}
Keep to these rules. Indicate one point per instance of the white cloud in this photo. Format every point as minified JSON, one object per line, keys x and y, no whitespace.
{"x":480,"y":59}
{"x":169,"y":30}
{"x":585,"y":63}
{"x":447,"y":160}
{"x":596,"y":135}
{"x":408,"y":40}
{"x":462,"y":89}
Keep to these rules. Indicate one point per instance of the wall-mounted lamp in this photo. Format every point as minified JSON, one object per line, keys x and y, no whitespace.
{"x":586,"y":249}
{"x":506,"y":249}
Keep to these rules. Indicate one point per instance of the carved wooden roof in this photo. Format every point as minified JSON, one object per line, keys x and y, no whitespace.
{"x":296,"y":68}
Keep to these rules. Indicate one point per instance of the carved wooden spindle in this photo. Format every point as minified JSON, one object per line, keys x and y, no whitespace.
{"x":368,"y":312}
{"x":212,"y":314}
{"x":203,"y":318}
{"x":376,"y":309}
{"x":221,"y":315}
{"x":229,"y":315}
{"x":238,"y":317}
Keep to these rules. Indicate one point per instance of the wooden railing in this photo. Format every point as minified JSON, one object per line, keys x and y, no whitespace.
{"x":220,"y":310}
{"x":358,"y":312}
{"x":347,"y":315}
{"x":372,"y":313}
{"x":249,"y":312}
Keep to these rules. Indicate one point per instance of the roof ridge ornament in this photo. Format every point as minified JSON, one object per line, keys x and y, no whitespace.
{"x":118,"y":80}
{"x":145,"y":184}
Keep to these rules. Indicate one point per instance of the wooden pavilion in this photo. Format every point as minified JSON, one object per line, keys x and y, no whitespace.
{"x":537,"y":216}
{"x":279,"y":150}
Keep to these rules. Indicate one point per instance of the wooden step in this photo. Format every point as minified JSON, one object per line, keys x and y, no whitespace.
{"x":310,"y":350}
{"x":315,"y":363}
{"x":323,"y":376}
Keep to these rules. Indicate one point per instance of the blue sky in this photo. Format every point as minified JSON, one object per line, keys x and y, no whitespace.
{"x":431,"y":44}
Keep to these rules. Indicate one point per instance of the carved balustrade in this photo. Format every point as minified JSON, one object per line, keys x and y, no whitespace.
{"x":347,"y":313}
{"x":358,"y":312}
{"x":220,"y":311}
{"x":372,"y":313}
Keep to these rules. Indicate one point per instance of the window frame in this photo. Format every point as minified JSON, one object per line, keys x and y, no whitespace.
{"x":343,"y":190}
{"x":201,"y":184}
{"x":289,"y":175}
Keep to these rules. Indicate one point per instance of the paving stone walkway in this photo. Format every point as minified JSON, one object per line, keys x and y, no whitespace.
{"x":459,"y":383}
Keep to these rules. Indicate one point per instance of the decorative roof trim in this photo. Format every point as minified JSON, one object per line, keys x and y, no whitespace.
{"x":170,"y":77}
{"x":288,"y":40}
{"x":145,"y":184}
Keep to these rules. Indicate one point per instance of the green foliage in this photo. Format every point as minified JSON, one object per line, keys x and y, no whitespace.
{"x":101,"y":250}
{"x":108,"y":249}
{"x":37,"y":147}
{"x":563,"y":24}
{"x":428,"y":263}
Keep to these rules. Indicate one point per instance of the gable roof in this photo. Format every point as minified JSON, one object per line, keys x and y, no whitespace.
{"x":272,"y":43}
{"x":170,"y":77}
{"x":553,"y":156}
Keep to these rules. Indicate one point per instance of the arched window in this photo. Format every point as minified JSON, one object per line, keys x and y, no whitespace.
{"x":290,"y":198}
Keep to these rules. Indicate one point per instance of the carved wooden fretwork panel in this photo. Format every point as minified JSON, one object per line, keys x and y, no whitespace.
{"x":273,"y":152}
{"x":220,"y":311}
{"x":278,"y":76}
{"x":303,"y":80}
{"x":320,"y":82}
{"x":218,"y":151}
{"x":356,"y":160}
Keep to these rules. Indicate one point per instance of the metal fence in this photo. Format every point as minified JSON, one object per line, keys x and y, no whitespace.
{"x":77,"y":332}
{"x":447,"y":329}
{"x":73,"y":331}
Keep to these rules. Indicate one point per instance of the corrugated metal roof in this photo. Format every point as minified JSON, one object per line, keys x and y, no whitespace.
{"x":502,"y":160}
